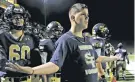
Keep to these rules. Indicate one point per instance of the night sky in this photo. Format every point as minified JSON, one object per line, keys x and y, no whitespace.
{"x":117,"y":14}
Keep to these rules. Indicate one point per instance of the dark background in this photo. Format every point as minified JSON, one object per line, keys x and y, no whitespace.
{"x":117,"y":14}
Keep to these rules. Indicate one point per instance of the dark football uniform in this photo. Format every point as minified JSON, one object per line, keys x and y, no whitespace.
{"x":122,"y":53}
{"x":22,"y":49}
{"x":99,"y":44}
{"x":109,"y":49}
{"x":76,"y":58}
{"x":49,"y":47}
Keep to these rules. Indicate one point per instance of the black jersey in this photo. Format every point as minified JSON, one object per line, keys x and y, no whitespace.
{"x":14,"y":50}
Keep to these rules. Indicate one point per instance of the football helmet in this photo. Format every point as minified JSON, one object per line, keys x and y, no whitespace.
{"x":110,"y":48}
{"x":120,"y":45}
{"x":101,"y":30}
{"x":16,"y":16}
{"x":54,"y":29}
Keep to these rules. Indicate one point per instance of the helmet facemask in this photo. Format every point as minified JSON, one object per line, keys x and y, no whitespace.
{"x":18,"y":20}
{"x":54,"y":29}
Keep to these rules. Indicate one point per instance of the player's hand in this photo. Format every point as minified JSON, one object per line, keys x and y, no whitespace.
{"x":17,"y":68}
{"x":99,"y":75}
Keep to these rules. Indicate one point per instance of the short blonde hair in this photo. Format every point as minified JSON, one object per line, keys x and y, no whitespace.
{"x":76,"y":8}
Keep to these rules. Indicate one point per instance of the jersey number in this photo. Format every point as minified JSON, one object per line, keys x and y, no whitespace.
{"x":89,"y":59}
{"x":14,"y":49}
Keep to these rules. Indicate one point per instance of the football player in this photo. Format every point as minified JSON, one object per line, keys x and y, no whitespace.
{"x":100,"y":33}
{"x":122,"y":53}
{"x":53,"y":31}
{"x":16,"y":46}
{"x":74,"y":54}
{"x":109,"y":51}
{"x":47,"y":46}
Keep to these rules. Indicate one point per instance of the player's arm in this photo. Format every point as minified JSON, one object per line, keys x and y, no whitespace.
{"x":47,"y":68}
{"x":53,"y":66}
{"x":106,"y":59}
{"x":100,"y":69}
{"x":100,"y":59}
{"x":99,"y":65}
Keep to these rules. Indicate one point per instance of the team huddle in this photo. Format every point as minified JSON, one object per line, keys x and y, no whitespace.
{"x":31,"y":52}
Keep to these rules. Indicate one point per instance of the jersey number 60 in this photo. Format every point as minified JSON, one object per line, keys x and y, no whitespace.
{"x":14,"y":51}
